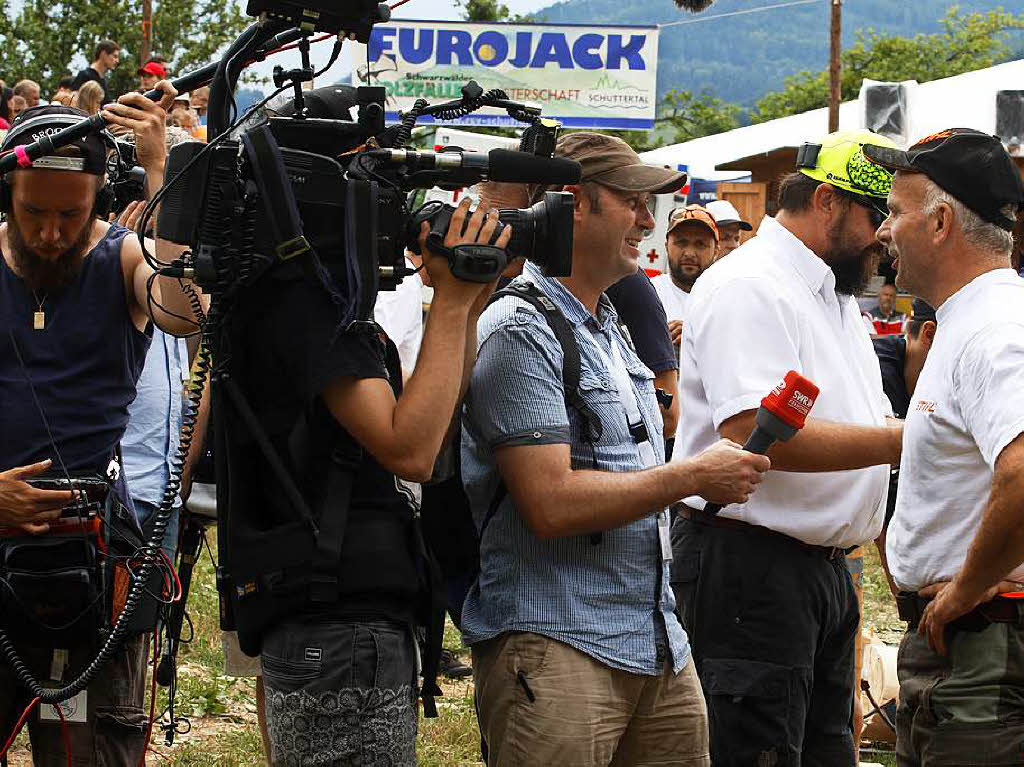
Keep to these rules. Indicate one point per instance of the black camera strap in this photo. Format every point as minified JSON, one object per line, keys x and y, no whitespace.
{"x":279,"y":204}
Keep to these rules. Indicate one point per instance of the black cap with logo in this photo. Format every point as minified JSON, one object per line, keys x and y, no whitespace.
{"x":970,"y":165}
{"x":48,"y":119}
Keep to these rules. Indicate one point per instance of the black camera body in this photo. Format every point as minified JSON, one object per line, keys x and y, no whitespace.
{"x":350,"y":193}
{"x":542,"y":232}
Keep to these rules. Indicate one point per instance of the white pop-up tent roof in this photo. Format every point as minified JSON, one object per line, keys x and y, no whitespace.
{"x":963,"y":101}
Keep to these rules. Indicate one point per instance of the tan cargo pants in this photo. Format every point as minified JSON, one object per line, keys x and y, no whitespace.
{"x":542,"y":702}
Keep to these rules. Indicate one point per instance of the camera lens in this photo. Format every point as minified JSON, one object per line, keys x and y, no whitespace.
{"x":543,"y":233}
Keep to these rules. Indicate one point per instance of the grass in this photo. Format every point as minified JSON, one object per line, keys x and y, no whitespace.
{"x":221,"y":710}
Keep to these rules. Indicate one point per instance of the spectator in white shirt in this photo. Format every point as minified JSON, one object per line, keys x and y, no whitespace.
{"x":956,"y":540}
{"x":691,"y":244}
{"x":763,"y":587}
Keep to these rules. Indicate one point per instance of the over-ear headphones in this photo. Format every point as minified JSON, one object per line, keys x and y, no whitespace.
{"x":104,"y":197}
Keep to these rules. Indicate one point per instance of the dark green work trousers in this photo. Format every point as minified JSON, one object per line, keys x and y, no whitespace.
{"x":965,"y":709}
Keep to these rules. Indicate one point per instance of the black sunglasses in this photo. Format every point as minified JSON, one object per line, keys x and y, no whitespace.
{"x":877,"y":212}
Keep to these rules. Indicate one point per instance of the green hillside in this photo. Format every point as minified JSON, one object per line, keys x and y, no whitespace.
{"x":741,"y":58}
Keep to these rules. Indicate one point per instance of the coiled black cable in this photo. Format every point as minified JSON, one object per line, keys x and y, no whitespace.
{"x":469,"y":106}
{"x":409,"y":119}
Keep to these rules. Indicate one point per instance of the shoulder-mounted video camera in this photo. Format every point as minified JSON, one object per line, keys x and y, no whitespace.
{"x":325,"y":178}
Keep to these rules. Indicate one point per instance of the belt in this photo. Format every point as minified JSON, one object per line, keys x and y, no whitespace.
{"x":911,"y":607}
{"x":714,"y":520}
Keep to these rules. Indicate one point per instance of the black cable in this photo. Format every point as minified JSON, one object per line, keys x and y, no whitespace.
{"x":881,"y":711}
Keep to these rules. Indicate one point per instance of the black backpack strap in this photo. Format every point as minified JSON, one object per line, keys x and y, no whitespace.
{"x":570,"y":352}
{"x":431,"y":616}
{"x":571,"y":366}
{"x":277,"y":466}
{"x":280,"y":208}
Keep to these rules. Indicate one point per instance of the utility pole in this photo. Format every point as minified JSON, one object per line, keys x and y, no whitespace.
{"x":835,"y":67}
{"x":146,"y":49}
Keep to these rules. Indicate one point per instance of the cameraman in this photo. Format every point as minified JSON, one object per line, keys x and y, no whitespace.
{"x":340,"y":673}
{"x":74,"y":329}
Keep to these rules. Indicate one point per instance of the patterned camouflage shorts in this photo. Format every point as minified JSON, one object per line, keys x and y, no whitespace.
{"x":340,"y":693}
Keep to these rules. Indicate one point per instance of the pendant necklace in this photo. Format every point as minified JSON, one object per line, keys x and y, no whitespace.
{"x":39,"y":316}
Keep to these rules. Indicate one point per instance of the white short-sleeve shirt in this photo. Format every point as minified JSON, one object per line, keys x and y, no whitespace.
{"x":673,"y":298}
{"x":769,"y":308}
{"x":967,"y":406}
{"x":400,"y":313}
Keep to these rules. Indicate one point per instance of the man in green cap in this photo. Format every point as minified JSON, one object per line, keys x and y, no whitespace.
{"x":762,"y":587}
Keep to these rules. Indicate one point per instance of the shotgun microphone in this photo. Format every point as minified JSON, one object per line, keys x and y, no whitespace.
{"x":781,"y":415}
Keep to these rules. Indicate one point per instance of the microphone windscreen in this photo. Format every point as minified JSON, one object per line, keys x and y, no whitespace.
{"x":792,"y":399}
{"x":524,"y":168}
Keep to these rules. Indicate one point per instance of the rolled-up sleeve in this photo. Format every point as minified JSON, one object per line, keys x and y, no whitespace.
{"x":516,"y":394}
{"x":742,"y":314}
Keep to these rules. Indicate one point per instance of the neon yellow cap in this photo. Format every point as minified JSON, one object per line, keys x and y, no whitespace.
{"x":838,"y":159}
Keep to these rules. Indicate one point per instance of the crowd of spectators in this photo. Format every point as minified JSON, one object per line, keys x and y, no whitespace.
{"x":89,"y":90}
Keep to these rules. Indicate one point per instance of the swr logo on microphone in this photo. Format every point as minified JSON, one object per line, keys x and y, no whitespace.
{"x":800,"y":402}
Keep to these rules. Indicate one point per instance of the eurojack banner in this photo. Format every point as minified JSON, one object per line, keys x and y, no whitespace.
{"x":583,"y":76}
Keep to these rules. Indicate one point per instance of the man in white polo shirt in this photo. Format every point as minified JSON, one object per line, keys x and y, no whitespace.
{"x":691,"y":244}
{"x":958,"y":528}
{"x":762,"y":587}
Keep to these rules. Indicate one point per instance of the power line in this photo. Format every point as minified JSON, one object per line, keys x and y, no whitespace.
{"x":740,"y":13}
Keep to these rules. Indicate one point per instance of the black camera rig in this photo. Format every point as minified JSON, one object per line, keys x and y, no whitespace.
{"x":320,"y":185}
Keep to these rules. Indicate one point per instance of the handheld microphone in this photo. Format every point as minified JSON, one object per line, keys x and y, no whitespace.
{"x":781,"y":415}
{"x":504,"y":165}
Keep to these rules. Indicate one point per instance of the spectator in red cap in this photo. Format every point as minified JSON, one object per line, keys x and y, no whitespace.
{"x":150,"y":73}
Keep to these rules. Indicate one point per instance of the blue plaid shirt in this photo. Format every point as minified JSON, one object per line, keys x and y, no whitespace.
{"x":611,"y":600}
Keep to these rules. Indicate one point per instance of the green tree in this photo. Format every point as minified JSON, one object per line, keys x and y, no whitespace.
{"x":695,"y":115}
{"x":483,"y":10}
{"x":967,"y":42}
{"x":40,"y":41}
{"x":491,"y":11}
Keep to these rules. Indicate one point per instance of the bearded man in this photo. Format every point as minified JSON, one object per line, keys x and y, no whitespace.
{"x":75,"y":324}
{"x":762,"y":588}
{"x":691,"y":243}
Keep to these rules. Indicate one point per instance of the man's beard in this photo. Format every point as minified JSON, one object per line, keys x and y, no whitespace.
{"x":681,"y":277}
{"x":851,"y":266}
{"x":48,"y":275}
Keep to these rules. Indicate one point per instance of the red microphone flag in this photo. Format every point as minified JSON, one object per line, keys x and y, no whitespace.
{"x":792,"y":399}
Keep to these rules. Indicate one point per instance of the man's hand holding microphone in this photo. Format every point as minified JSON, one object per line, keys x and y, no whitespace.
{"x":729,"y":473}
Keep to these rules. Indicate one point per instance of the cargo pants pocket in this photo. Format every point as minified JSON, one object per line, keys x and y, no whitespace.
{"x":756,"y":712}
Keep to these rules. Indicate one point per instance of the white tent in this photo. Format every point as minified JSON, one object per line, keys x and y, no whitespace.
{"x":963,"y":101}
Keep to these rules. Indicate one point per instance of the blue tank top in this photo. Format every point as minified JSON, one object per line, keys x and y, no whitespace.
{"x":83,"y":364}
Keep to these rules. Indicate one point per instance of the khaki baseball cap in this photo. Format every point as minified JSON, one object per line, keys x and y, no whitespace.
{"x":611,"y":162}
{"x":692,"y":213}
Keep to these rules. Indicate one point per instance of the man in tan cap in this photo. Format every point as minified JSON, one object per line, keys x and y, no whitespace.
{"x":691,"y":244}
{"x":578,"y":657}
